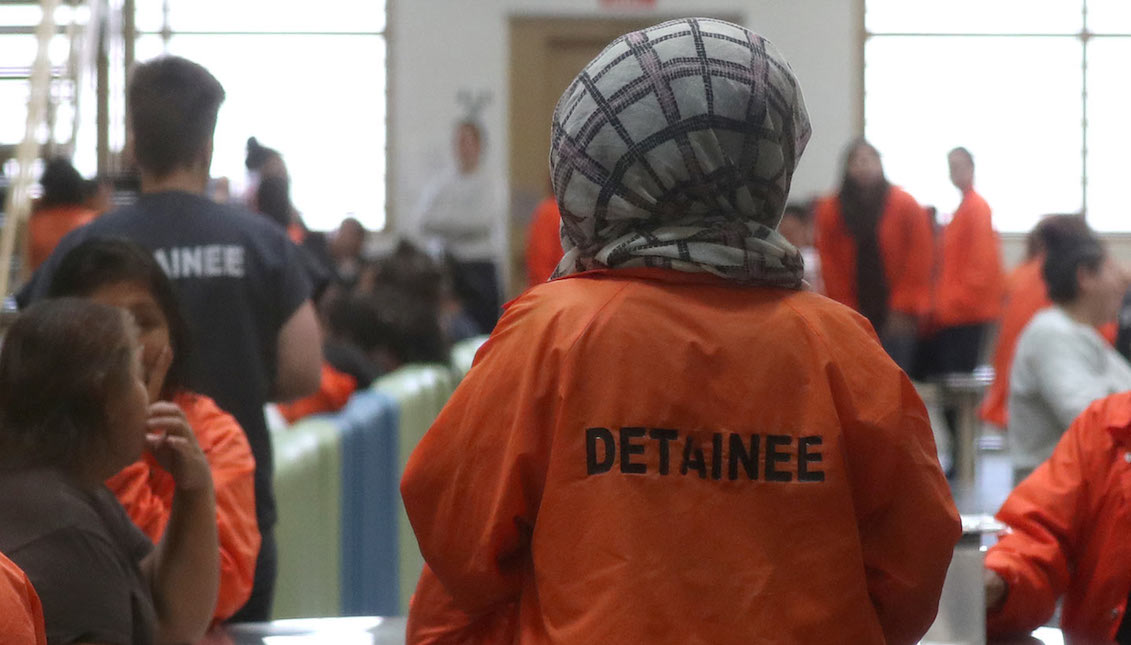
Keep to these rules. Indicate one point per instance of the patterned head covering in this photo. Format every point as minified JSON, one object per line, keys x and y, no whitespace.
{"x":675,"y":148}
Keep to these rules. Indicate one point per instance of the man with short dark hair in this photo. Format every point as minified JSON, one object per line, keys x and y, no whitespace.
{"x":238,"y":277}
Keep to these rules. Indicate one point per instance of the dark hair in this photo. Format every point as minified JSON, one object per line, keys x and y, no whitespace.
{"x":964,"y":152}
{"x":273,"y":199}
{"x":394,"y":319}
{"x":412,"y":270}
{"x":62,"y":184}
{"x":61,"y":362}
{"x":173,"y":103}
{"x":1052,"y":227}
{"x":258,"y":154}
{"x":1066,"y":252}
{"x":850,"y":151}
{"x":104,"y":261}
{"x":803,"y":212}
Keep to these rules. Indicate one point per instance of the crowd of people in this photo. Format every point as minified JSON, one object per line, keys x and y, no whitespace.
{"x":672,"y":436}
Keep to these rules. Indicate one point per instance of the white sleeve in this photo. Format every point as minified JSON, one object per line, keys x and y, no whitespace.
{"x":1066,"y":373}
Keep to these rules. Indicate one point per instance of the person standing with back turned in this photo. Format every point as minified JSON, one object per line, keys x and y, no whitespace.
{"x":671,"y":441}
{"x":240,"y":280}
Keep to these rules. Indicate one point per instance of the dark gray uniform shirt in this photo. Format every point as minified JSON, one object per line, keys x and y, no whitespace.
{"x":82,"y":553}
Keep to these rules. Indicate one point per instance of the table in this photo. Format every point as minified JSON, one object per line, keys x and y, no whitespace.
{"x":352,"y":630}
{"x":373,"y":630}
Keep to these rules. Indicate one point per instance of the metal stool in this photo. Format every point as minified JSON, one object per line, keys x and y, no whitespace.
{"x":963,"y":392}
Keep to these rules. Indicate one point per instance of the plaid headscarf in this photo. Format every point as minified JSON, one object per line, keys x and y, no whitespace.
{"x":675,"y":148}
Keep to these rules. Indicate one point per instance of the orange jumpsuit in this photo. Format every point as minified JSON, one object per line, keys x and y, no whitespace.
{"x":21,"y":615}
{"x":905,"y":242}
{"x":649,"y":456}
{"x":544,"y":244}
{"x":334,"y":391}
{"x":1071,"y":523}
{"x":47,"y":226}
{"x":971,"y":281}
{"x":146,"y":492}
{"x":1026,"y":295}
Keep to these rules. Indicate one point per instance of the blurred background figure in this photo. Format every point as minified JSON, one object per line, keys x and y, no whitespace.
{"x":344,"y":247}
{"x":99,"y":194}
{"x":543,"y":242}
{"x":970,"y":279}
{"x":64,"y":206}
{"x":273,"y":200}
{"x":1062,"y":363}
{"x":875,"y":247}
{"x":1025,"y":295}
{"x":797,"y":227}
{"x":968,"y":284}
{"x":462,"y":211}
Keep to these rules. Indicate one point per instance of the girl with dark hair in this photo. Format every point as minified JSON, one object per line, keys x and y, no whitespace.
{"x":1062,"y":363}
{"x":121,"y":274}
{"x":74,"y":410}
{"x":60,"y":209}
{"x":875,"y":246}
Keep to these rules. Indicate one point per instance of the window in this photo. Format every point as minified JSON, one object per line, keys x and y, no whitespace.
{"x":1034,"y":89}
{"x":307,"y":82}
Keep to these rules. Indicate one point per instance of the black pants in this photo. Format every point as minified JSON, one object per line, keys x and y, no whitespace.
{"x":476,"y":283}
{"x":952,"y":350}
{"x":258,"y":606}
{"x":956,"y":349}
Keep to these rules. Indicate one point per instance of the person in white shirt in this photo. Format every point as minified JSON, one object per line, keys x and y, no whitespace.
{"x":464,"y":211}
{"x":1062,"y":363}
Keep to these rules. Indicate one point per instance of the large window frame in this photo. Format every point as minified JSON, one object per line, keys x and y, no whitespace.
{"x":323,"y":200}
{"x":1096,"y":183}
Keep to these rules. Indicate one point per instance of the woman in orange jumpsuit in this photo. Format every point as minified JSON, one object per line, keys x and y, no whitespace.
{"x":876,"y":249}
{"x":543,"y":243}
{"x":21,"y":615}
{"x":122,"y":274}
{"x":1069,"y":523}
{"x":671,"y":442}
{"x":61,"y":209}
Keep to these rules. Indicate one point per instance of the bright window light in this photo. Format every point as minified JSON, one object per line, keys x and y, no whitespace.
{"x":310,"y":84}
{"x":975,"y":16}
{"x":1013,"y":102}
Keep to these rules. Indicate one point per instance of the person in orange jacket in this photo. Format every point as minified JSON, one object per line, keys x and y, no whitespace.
{"x":1069,"y":524}
{"x":671,"y":441}
{"x":876,"y":250}
{"x":21,"y":614}
{"x":120,"y":273}
{"x":334,"y":392}
{"x":60,"y":209}
{"x":970,"y":283}
{"x":544,"y":243}
{"x":1025,"y":295}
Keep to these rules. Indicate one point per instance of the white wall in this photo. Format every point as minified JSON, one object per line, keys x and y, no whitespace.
{"x":440,"y":46}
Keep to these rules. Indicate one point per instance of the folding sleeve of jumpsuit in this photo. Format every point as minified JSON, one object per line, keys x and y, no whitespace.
{"x":508,"y":467}
{"x":146,"y":491}
{"x":907,"y":519}
{"x":1044,"y":513}
{"x":21,"y":614}
{"x":436,"y":620}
